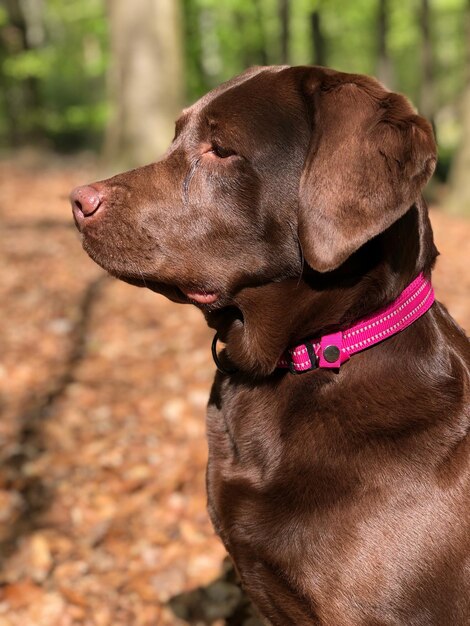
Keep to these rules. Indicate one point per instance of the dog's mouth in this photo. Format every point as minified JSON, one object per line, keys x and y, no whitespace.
{"x":182,"y":294}
{"x":201,"y":297}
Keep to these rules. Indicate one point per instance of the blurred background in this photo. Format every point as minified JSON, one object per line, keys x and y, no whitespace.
{"x":103,"y":386}
{"x":110,"y":77}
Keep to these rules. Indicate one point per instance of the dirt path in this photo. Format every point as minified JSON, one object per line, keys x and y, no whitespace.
{"x":103,"y":390}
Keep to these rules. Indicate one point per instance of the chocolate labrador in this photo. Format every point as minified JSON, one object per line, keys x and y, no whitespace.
{"x":289,"y":210}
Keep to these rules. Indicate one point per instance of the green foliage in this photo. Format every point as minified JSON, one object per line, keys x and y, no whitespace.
{"x":53,"y":90}
{"x":28,"y":64}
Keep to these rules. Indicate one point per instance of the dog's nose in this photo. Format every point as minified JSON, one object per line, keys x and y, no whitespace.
{"x":86,"y":201}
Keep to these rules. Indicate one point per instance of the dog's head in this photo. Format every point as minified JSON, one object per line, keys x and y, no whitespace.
{"x":274,"y":157}
{"x":277,"y":166}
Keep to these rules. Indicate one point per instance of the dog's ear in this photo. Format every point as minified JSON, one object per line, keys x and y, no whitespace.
{"x":369,"y":157}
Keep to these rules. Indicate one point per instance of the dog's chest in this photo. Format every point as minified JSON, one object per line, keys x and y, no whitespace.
{"x":272,"y":472}
{"x":287,"y":490}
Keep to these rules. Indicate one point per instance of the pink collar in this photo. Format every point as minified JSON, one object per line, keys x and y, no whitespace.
{"x":331,"y":351}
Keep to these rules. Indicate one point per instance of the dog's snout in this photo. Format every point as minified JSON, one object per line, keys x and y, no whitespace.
{"x":86,"y":201}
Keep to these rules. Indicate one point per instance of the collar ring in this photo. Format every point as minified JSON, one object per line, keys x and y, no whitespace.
{"x":215,"y":356}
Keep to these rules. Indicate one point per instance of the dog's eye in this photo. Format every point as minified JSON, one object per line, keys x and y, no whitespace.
{"x":222,"y":153}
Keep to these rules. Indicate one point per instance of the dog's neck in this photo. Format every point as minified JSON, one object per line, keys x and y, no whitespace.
{"x":268,"y":319}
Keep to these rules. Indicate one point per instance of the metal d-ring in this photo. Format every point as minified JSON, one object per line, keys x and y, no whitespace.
{"x":215,"y":356}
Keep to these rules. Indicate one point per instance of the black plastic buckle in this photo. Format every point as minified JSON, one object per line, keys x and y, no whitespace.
{"x":217,"y":362}
{"x":313,"y":360}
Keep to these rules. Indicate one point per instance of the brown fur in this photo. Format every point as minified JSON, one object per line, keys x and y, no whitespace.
{"x":343,"y":496}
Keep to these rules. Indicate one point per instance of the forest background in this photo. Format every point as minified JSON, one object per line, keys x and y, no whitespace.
{"x":93,"y":75}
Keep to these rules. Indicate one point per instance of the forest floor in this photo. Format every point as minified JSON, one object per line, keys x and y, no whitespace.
{"x":103,"y":389}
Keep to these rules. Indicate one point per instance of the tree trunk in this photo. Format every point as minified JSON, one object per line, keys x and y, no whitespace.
{"x":252,"y":50}
{"x":22,"y":97}
{"x":33,"y":11}
{"x":261,"y":48}
{"x":458,"y":200}
{"x":202,"y":59}
{"x":284,"y":18}
{"x":384,"y":63}
{"x":145,"y":79}
{"x":426,"y":100}
{"x":319,"y":44}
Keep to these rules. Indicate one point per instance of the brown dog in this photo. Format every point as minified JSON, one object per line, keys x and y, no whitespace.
{"x":289,"y":205}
